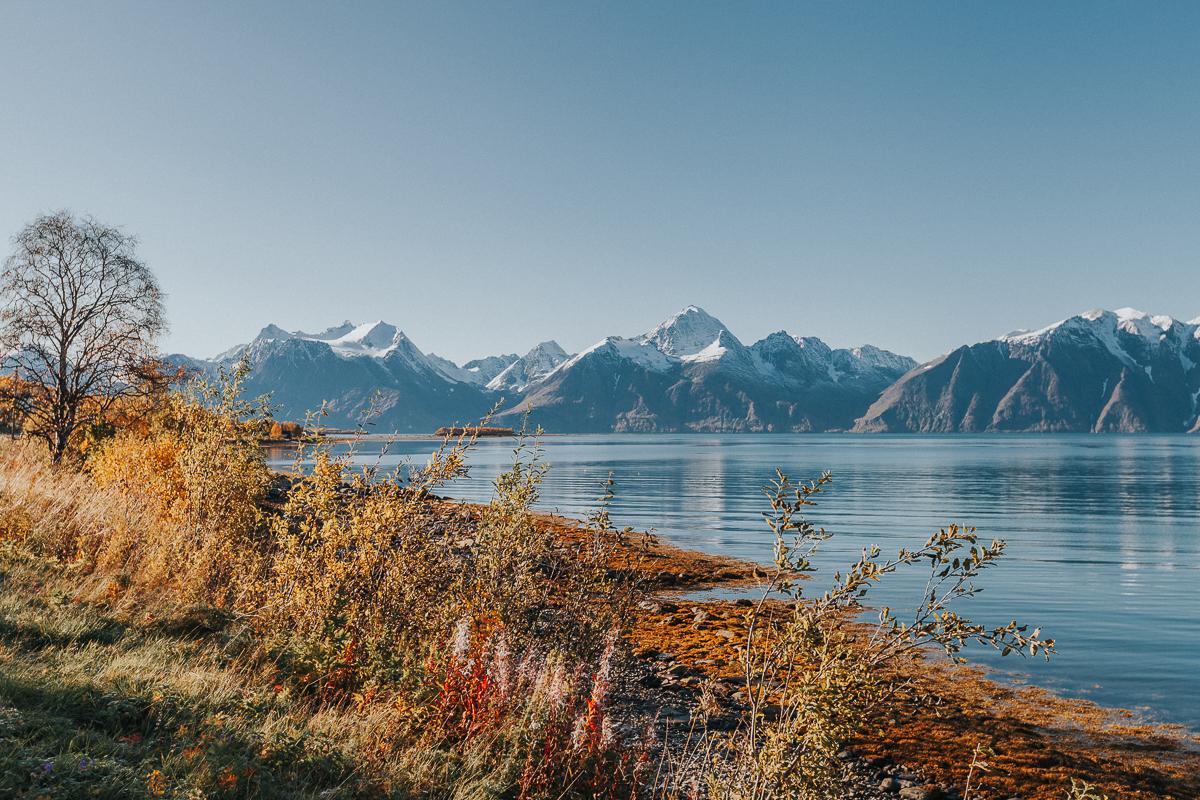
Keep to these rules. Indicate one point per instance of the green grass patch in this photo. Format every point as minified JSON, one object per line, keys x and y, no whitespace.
{"x":96,"y":707}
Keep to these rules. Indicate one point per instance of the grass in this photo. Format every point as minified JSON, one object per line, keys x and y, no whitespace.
{"x":96,"y":706}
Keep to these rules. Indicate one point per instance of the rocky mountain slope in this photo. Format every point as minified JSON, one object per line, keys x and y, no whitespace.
{"x":1100,"y":371}
{"x":692,"y":374}
{"x":689,"y":373}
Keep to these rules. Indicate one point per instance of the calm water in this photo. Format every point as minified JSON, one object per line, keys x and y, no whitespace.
{"x":1103,"y":531}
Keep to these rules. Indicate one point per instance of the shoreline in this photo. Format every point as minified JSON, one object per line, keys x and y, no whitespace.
{"x":1039,"y":739}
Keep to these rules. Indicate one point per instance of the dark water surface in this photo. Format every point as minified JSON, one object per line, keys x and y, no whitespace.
{"x":1103,"y":531}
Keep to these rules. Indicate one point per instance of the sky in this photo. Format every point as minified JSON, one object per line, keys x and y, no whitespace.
{"x":914,"y":175}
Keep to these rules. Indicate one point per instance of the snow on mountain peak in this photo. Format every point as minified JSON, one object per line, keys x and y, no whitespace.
{"x":377,"y":335}
{"x":333,"y":332}
{"x":271,"y":332}
{"x":715,"y":350}
{"x":639,"y":351}
{"x":877,"y":357}
{"x":688,"y":333}
{"x":549,"y":347}
{"x":1130,"y":320}
{"x":539,"y":362}
{"x":1126,"y":313}
{"x":1128,"y":333}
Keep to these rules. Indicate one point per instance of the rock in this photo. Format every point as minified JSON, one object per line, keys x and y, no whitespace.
{"x":921,"y":793}
{"x":743,"y":602}
{"x":722,"y":723}
{"x":719,"y":690}
{"x":726,"y":634}
{"x":889,"y":785}
{"x":674,"y":715}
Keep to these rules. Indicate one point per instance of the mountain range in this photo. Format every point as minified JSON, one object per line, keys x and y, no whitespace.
{"x":1097,"y":371}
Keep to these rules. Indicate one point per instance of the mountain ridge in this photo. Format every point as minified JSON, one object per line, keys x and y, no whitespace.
{"x":1100,"y":370}
{"x":1097,"y":371}
{"x":690,"y":372}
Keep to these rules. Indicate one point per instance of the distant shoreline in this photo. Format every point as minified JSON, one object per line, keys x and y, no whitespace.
{"x":345,"y":435}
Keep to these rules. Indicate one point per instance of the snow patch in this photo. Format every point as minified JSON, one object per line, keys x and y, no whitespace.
{"x":637,"y":351}
{"x":371,"y":338}
{"x":712,"y":352}
{"x":529,"y":368}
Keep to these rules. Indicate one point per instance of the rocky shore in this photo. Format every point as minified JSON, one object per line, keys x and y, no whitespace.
{"x":1036,"y":742}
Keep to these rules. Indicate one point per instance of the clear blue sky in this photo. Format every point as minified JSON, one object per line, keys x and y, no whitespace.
{"x":915,"y":175}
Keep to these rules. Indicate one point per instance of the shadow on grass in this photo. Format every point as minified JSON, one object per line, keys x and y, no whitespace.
{"x":33,"y":636}
{"x":80,"y":739}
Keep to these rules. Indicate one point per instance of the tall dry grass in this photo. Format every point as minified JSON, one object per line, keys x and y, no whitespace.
{"x":483,"y":641}
{"x":479,"y":645}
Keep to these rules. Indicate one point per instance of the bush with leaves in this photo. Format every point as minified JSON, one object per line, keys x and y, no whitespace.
{"x":816,"y":678}
{"x":195,"y":463}
{"x":370,"y":573}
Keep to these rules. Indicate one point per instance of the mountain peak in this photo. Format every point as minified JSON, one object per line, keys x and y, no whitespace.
{"x":1098,"y":320}
{"x":332,"y":332}
{"x":539,"y":362}
{"x":688,"y":332}
{"x":273,"y":331}
{"x":549,"y":347}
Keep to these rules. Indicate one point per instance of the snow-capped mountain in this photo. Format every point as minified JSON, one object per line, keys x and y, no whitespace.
{"x":692,"y":373}
{"x":529,"y":368}
{"x":1121,"y":370}
{"x":688,"y":373}
{"x":689,"y":334}
{"x":355,"y":371}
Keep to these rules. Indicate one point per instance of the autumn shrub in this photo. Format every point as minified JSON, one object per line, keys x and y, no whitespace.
{"x":370,"y":575}
{"x":195,"y":464}
{"x":816,"y":676}
{"x":356,"y":584}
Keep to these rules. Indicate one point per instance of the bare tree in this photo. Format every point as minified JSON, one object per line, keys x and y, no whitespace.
{"x":79,"y":320}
